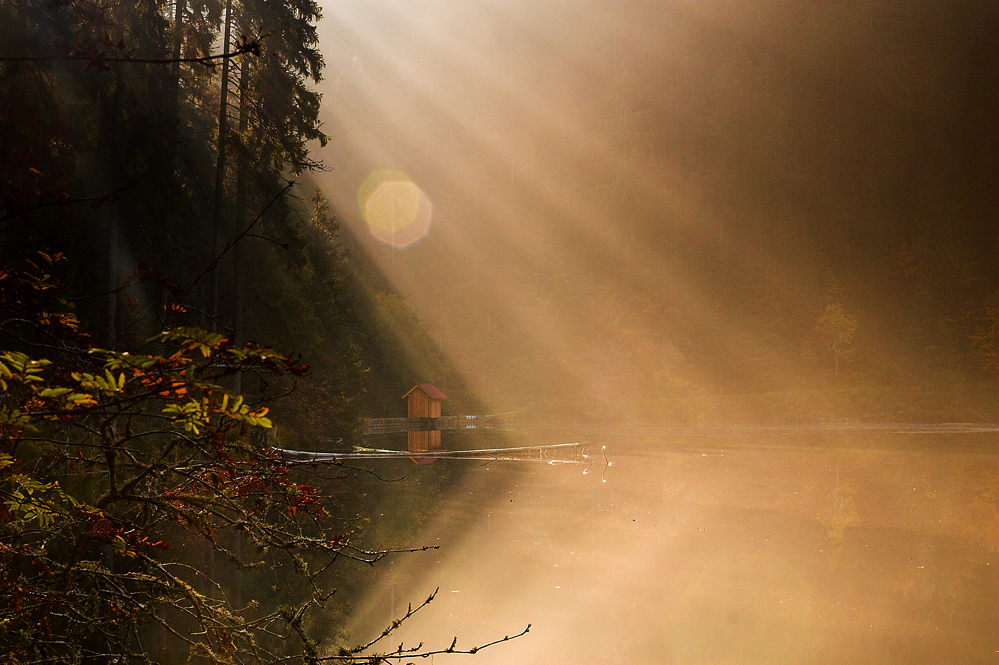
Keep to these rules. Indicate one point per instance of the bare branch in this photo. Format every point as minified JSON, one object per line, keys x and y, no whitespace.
{"x":98,"y":59}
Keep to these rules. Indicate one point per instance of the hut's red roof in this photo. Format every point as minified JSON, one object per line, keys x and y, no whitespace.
{"x":431,"y":390}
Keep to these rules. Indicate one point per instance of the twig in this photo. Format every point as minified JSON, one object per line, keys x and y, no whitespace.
{"x":232,"y":243}
{"x":206,"y":60}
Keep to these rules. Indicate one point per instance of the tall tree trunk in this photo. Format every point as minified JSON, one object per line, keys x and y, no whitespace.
{"x":220,"y":162}
{"x":241,"y":176}
{"x":178,"y":43}
{"x":114,"y":250}
{"x":213,"y":293}
{"x":173,"y":94}
{"x":113,"y":215}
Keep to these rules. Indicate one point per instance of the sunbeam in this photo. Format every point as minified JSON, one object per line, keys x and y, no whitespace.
{"x":642,"y":215}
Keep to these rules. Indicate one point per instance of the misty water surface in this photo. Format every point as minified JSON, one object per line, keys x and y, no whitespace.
{"x":866,"y":548}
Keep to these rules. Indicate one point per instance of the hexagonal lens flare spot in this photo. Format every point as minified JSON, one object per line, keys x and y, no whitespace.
{"x":396,"y":210}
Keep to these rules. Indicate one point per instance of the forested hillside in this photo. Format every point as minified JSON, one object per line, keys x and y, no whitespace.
{"x":175,"y":301}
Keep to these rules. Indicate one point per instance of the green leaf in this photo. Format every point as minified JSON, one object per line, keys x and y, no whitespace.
{"x":54,"y":392}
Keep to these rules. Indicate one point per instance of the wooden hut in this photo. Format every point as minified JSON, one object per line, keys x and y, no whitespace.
{"x":424,"y":402}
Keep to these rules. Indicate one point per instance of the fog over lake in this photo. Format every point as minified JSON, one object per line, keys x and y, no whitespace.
{"x":749,"y":248}
{"x":767,"y":548}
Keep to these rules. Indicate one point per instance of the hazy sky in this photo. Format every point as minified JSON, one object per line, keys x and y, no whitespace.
{"x":587,"y":166}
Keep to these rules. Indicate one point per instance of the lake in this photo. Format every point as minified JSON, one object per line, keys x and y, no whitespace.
{"x":742,"y":547}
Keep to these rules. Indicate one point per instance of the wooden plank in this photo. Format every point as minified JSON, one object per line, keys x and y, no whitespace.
{"x":395,"y":425}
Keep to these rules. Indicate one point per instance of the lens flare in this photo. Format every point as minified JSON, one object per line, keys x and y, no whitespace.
{"x":396,"y":210}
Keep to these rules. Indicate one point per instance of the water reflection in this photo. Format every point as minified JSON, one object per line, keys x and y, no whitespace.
{"x":874,"y":550}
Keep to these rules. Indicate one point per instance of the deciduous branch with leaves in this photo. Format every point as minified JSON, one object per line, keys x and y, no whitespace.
{"x":131,"y":480}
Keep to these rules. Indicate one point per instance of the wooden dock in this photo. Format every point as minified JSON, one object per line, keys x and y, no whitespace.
{"x":397,"y":425}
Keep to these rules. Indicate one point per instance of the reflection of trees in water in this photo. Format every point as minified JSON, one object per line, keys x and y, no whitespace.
{"x":841,"y":512}
{"x":925,"y":548}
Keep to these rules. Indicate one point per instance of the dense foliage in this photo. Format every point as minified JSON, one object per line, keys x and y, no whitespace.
{"x":112,"y":152}
{"x":120,"y":472}
{"x":144,"y":515}
{"x":148,"y":234}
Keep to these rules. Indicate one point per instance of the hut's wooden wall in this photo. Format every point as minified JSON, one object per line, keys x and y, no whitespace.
{"x":423,"y":442}
{"x":421,"y":405}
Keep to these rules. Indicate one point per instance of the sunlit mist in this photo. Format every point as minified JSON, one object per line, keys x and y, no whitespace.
{"x":396,"y":211}
{"x":652,"y":219}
